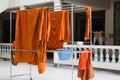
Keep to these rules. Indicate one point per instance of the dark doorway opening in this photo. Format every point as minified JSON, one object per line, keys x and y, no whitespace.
{"x":117,"y":23}
{"x":5,"y":27}
{"x":98,"y":24}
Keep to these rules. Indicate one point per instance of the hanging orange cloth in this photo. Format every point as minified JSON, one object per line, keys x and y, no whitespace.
{"x":59,"y":29}
{"x":87,"y":28}
{"x":31,"y":34}
{"x":41,"y":36}
{"x":66,"y":23}
{"x":26,"y":21}
{"x":85,"y":69}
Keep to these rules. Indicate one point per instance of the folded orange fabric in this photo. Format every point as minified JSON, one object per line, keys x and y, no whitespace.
{"x":83,"y":60}
{"x":85,"y":69}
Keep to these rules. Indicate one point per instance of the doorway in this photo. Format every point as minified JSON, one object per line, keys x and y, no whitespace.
{"x":98,"y":24}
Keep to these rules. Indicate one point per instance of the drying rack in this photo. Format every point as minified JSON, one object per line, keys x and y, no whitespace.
{"x":72,"y":8}
{"x":17,"y":50}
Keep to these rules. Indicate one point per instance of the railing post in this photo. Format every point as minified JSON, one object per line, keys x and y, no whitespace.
{"x":79,"y":48}
{"x":0,"y":49}
{"x":107,"y":56}
{"x":56,"y":58}
{"x":74,"y":54}
{"x":119,"y":57}
{"x":95,"y":55}
{"x":101,"y":55}
{"x":113,"y":55}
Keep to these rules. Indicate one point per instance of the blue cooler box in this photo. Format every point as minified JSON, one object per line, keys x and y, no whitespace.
{"x":64,"y":54}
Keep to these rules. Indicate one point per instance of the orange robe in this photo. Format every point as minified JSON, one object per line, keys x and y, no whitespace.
{"x":88,"y":22}
{"x":26,"y":21}
{"x":85,"y":69}
{"x":59,"y":29}
{"x":31,"y":34}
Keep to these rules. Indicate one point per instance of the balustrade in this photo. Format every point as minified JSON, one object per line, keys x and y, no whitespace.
{"x":103,"y":55}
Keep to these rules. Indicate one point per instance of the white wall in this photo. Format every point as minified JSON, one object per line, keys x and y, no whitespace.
{"x":57,"y":3}
{"x":109,"y":26}
{"x":4,"y":5}
{"x":17,"y":3}
{"x":98,"y":3}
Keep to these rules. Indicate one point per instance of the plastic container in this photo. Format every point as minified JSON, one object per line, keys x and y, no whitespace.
{"x":64,"y":54}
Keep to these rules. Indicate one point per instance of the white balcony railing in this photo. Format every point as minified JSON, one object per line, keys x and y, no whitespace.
{"x":5,"y":50}
{"x":107,"y":57}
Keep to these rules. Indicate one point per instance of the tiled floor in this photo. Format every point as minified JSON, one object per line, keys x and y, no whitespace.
{"x":63,"y":72}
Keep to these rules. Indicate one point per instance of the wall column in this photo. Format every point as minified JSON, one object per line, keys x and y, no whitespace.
{"x":22,"y":7}
{"x":109,"y":22}
{"x":57,"y":5}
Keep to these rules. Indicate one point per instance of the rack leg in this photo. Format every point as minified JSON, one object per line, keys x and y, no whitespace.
{"x":30,"y":78}
{"x":30,"y":73}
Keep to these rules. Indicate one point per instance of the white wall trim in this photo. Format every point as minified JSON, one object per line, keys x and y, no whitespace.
{"x":17,"y":3}
{"x":4,"y":5}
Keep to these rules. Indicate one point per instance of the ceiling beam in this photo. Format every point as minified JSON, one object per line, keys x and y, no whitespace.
{"x":97,"y":3}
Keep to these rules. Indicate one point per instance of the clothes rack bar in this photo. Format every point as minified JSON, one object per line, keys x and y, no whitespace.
{"x":64,"y":7}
